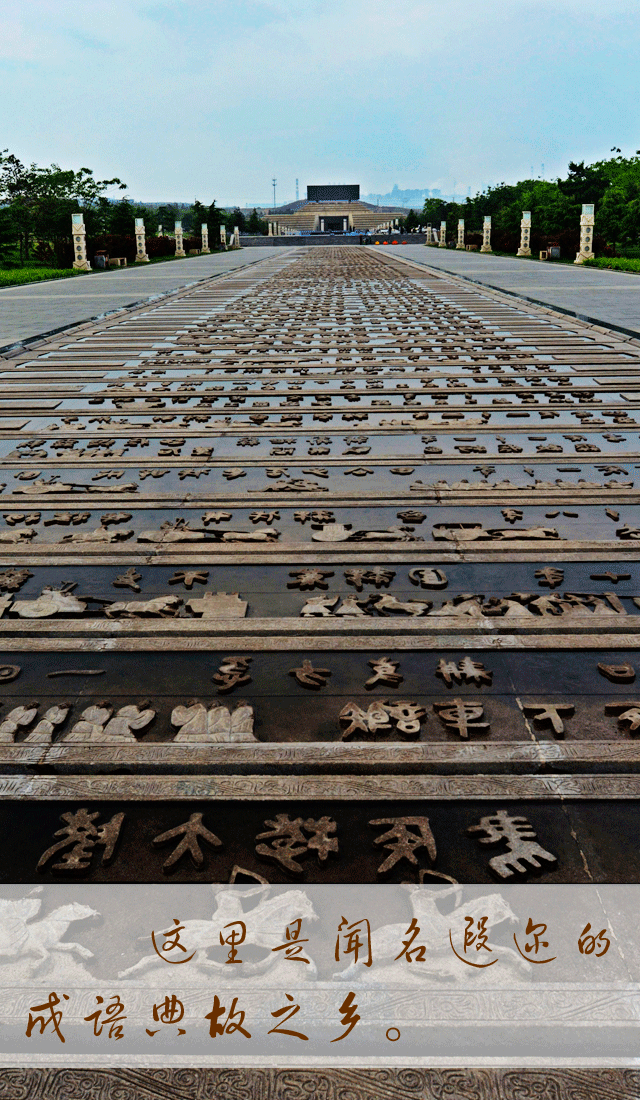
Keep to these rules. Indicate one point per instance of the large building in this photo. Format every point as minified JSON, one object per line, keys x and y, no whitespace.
{"x":334,"y":208}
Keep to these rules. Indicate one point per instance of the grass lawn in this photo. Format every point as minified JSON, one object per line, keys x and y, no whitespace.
{"x":615,"y":263}
{"x":16,"y":276}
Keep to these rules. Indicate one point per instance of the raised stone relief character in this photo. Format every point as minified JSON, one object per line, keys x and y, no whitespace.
{"x":403,"y":839}
{"x":550,"y":714}
{"x":462,"y":717}
{"x":384,"y":673}
{"x":522,"y":848}
{"x":232,"y":672}
{"x":310,"y":677}
{"x":618,"y":674}
{"x":81,"y":835}
{"x":292,"y":840}
{"x":309,"y":578}
{"x":628,"y":714}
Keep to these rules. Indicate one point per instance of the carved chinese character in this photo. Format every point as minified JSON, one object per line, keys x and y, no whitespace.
{"x":219,"y":605}
{"x":428,"y":578}
{"x":309,"y":676}
{"x":289,"y":842}
{"x":618,"y":674}
{"x":232,"y":672}
{"x":13,"y":579}
{"x":550,"y":714}
{"x":384,"y":673}
{"x":466,"y":670}
{"x":406,"y":835}
{"x":188,"y":578}
{"x":522,"y":848}
{"x":128,"y":579}
{"x":462,"y":718}
{"x":191,"y":832}
{"x":550,"y":576}
{"x":377,"y":717}
{"x":81,"y":836}
{"x":309,"y":578}
{"x":628,"y":714}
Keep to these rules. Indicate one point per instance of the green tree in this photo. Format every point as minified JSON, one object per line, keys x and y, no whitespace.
{"x":42,"y":199}
{"x":257,"y":225}
{"x":167,"y":216}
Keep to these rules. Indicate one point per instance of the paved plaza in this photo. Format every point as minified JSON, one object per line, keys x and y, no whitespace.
{"x":28,"y":311}
{"x":326,"y":570}
{"x":601,"y":297}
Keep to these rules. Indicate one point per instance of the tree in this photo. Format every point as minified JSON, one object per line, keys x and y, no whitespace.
{"x":196,"y":216}
{"x":235,"y":217}
{"x":122,"y":218}
{"x":42,"y":200}
{"x":257,"y":225}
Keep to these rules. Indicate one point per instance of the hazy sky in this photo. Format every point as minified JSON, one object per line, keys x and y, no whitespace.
{"x":212,"y":98}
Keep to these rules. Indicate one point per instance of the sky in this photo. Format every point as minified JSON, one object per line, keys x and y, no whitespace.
{"x":212,"y":99}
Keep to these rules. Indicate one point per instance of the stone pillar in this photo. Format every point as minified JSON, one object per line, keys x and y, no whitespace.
{"x":460,"y":243}
{"x":344,"y":225}
{"x":587,"y":221}
{"x":486,"y":236}
{"x":179,"y":242}
{"x":223,"y":237}
{"x":442,"y":243}
{"x":270,"y":230}
{"x":204,"y":229}
{"x":322,"y":225}
{"x":525,"y":234}
{"x":80,"y":261}
{"x":141,"y":244}
{"x":236,"y":237}
{"x":428,"y":240}
{"x":160,"y":233}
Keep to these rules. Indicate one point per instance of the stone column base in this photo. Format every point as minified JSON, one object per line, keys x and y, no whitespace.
{"x":81,"y":265}
{"x":142,"y":259}
{"x":582,"y":256}
{"x":180,"y":253}
{"x":523,"y":252}
{"x":205,"y":251}
{"x":485,"y":248}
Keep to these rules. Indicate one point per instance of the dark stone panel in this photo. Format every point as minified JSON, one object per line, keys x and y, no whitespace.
{"x":593,"y":841}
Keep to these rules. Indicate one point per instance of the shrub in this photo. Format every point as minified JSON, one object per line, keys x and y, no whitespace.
{"x":614,"y":263}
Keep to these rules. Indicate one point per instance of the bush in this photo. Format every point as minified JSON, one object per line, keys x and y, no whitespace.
{"x":614,"y":263}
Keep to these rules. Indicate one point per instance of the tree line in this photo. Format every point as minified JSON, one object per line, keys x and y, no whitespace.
{"x":36,"y":205}
{"x":613,"y":185}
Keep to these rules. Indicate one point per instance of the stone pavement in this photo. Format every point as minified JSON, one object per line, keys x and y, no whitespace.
{"x":609,"y":298}
{"x":42,"y":308}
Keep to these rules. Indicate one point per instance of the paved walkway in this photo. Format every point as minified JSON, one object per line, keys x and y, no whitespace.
{"x":605,"y":297}
{"x":38,"y":308}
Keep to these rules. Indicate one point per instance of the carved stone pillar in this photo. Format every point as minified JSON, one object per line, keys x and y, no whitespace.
{"x":179,"y":241}
{"x":141,"y":244}
{"x":525,"y":234}
{"x":236,"y":237}
{"x":428,"y":240}
{"x":223,"y":237}
{"x":442,"y":243}
{"x":486,"y":236}
{"x":270,"y":230}
{"x":587,"y":221}
{"x":204,"y":229}
{"x":80,"y":261}
{"x":460,"y":243}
